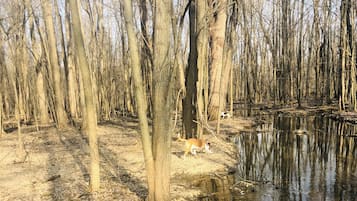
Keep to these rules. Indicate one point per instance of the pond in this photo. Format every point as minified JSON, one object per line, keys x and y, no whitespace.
{"x":292,"y":157}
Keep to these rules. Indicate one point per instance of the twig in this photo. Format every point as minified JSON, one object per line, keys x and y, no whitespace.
{"x":54,"y":177}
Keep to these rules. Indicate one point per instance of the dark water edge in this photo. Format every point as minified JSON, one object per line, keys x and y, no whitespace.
{"x":291,"y":157}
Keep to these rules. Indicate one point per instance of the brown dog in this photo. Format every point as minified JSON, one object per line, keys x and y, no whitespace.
{"x":193,"y":145}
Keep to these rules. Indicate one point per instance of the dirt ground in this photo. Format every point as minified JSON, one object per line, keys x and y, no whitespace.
{"x":56,"y":163}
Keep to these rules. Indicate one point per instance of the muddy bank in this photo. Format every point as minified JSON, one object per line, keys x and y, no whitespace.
{"x":56,"y":164}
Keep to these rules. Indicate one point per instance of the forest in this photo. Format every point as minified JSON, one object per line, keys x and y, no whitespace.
{"x":169,"y":64}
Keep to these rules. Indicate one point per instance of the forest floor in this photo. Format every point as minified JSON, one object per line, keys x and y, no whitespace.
{"x":56,"y":163}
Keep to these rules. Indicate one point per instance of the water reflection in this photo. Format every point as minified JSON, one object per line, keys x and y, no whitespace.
{"x":300,"y":158}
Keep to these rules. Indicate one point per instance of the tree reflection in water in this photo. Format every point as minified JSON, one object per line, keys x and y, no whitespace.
{"x":300,"y":158}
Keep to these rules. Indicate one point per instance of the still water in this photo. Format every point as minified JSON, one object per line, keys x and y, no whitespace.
{"x":292,"y":157}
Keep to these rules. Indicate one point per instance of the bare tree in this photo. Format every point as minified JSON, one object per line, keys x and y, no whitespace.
{"x":157,"y":150}
{"x":190,"y":100}
{"x":162,"y":98}
{"x":141,"y":101}
{"x":72,"y":85}
{"x":61,"y":116}
{"x":146,"y":51}
{"x":299,"y":57}
{"x":202,"y":65}
{"x":344,"y":51}
{"x":90,"y":111}
{"x":217,"y":37}
{"x":2,"y":67}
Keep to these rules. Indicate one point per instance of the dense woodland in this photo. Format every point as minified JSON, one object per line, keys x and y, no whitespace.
{"x":92,"y":60}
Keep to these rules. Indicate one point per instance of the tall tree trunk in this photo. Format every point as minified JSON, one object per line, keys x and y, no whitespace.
{"x":54,"y":65}
{"x":2,"y":71}
{"x":350,"y":62}
{"x":162,"y":98}
{"x":316,"y":48}
{"x":343,"y":54}
{"x":90,"y":112}
{"x":146,"y":54}
{"x":141,"y":101}
{"x":202,"y":65}
{"x":271,"y":42}
{"x":128,"y":99}
{"x":248,"y":55}
{"x":24,"y":89}
{"x":41,"y":105}
{"x":300,"y":57}
{"x":227,"y":55}
{"x":101,"y":63}
{"x":68,"y":61}
{"x":217,"y":36}
{"x":189,"y":101}
{"x":326,"y":51}
{"x":354,"y":57}
{"x":284,"y":77}
{"x":20,"y":152}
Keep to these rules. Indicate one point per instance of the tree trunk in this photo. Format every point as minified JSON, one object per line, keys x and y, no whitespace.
{"x":350,"y":62}
{"x":326,"y":60}
{"x":284,"y":84}
{"x":247,"y":55}
{"x":2,"y":67}
{"x":20,"y":151}
{"x":54,"y":65}
{"x":90,"y":112}
{"x":217,"y":36}
{"x":343,"y":54}
{"x":316,"y":48}
{"x":300,"y":57}
{"x":189,"y":101}
{"x":202,"y":65}
{"x":1,"y":111}
{"x":42,"y":99}
{"x":146,"y":58}
{"x":141,"y":101}
{"x":227,"y":62}
{"x":71,"y":80}
{"x":162,"y":99}
{"x":354,"y":59}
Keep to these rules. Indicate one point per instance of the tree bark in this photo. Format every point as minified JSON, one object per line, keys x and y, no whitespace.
{"x":141,"y":101}
{"x":316,"y":48}
{"x":146,"y":58}
{"x":1,"y":111}
{"x":90,"y":112}
{"x":284,"y":75}
{"x":71,"y":77}
{"x":202,"y":65}
{"x":2,"y":71}
{"x":217,"y":36}
{"x":162,"y":98}
{"x":54,"y":65}
{"x":343,"y":54}
{"x":42,"y":98}
{"x":190,"y":100}
{"x":300,"y":57}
